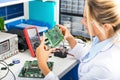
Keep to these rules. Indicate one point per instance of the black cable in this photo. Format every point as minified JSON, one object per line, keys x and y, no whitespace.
{"x":6,"y":73}
{"x":6,"y":65}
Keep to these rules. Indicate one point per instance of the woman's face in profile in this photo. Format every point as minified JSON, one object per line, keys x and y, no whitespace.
{"x":84,"y":22}
{"x":94,"y":30}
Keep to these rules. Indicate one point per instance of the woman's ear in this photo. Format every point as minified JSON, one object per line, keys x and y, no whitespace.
{"x":108,"y":29}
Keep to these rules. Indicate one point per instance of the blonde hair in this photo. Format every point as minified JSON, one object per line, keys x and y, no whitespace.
{"x":102,"y":12}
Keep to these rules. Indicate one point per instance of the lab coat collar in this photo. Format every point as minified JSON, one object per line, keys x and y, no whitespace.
{"x":97,"y":47}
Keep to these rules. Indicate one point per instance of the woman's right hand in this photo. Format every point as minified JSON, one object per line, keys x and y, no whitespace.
{"x":65,"y":32}
{"x":67,"y":35}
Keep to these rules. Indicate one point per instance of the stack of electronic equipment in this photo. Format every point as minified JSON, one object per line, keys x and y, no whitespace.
{"x":8,"y":45}
{"x":17,"y":27}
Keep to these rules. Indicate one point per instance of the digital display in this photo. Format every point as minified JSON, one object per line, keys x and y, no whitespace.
{"x":32,"y":32}
{"x":34,"y":39}
{"x":4,"y":46}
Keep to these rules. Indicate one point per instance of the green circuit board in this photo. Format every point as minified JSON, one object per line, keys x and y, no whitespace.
{"x":54,"y":36}
{"x":31,"y":69}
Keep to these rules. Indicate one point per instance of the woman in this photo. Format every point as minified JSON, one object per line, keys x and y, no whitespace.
{"x":101,"y":61}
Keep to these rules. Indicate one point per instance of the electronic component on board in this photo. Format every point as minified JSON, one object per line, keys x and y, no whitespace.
{"x":54,"y":36}
{"x":31,"y":69}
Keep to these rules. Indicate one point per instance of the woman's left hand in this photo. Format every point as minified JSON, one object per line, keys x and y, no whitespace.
{"x":42,"y":54}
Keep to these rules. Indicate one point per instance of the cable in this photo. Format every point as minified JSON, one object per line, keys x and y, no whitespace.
{"x":13,"y":74}
{"x":6,"y":65}
{"x":6,"y":73}
{"x":63,"y":47}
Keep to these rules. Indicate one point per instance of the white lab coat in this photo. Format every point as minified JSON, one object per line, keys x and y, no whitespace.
{"x":103,"y":65}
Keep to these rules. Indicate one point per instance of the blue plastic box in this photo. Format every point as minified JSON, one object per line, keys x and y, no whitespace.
{"x":22,"y":23}
{"x":43,"y":11}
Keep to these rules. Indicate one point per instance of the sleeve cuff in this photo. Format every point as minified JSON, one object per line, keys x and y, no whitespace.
{"x":51,"y":76}
{"x":79,"y":50}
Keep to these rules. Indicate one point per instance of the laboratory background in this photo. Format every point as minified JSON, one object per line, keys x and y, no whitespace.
{"x":22,"y":23}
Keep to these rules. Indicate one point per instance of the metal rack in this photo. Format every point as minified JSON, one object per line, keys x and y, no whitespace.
{"x":71,"y":13}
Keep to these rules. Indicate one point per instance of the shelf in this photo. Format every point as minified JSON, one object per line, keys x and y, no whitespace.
{"x":11,"y":2}
{"x":72,"y":14}
{"x":49,"y":0}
